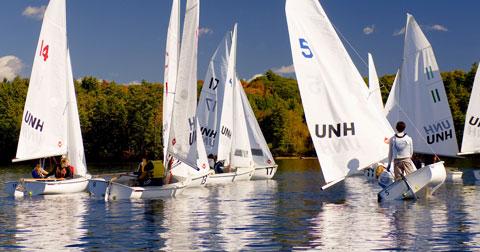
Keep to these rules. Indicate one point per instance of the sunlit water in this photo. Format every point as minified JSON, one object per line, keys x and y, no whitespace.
{"x":287,"y":213}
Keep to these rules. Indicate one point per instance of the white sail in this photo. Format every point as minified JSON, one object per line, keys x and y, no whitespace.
{"x":390,"y":108}
{"x":259,"y":147}
{"x":375,"y":95}
{"x":172,"y":51}
{"x":471,"y":132}
{"x":44,"y":123}
{"x":76,"y":153}
{"x":241,"y":150}
{"x":183,"y":143}
{"x":226,"y":119}
{"x":210,"y":105}
{"x":347,"y":134}
{"x":420,"y":99}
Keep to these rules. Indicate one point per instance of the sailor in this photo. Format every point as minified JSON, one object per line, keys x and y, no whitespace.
{"x":384,"y":177}
{"x":400,"y":152}
{"x":219,"y":166}
{"x":211,"y":161}
{"x":39,"y":172}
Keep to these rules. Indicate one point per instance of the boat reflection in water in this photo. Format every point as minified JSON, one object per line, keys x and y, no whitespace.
{"x":224,"y":217}
{"x":50,"y":222}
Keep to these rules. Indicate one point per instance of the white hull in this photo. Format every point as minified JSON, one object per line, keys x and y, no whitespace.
{"x":454,"y":176}
{"x":116,"y":191}
{"x":266,"y":172}
{"x":241,"y":174}
{"x":97,"y":187}
{"x":430,"y":177}
{"x":33,"y":187}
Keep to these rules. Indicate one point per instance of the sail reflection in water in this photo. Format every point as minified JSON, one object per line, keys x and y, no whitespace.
{"x":51,"y":222}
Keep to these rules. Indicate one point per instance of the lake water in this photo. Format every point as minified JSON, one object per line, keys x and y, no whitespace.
{"x":290,"y":212}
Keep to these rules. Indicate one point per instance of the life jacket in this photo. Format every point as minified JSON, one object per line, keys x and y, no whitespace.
{"x":72,"y":170}
{"x":60,"y":173}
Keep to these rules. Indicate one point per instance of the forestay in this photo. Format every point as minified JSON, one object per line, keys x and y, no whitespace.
{"x":44,"y":122}
{"x":226,"y":118}
{"x":347,"y":133}
{"x":210,"y":105}
{"x":258,"y":145}
{"x":420,"y":99}
{"x":471,"y":132}
{"x":76,"y":152}
{"x":183,"y":143}
{"x":172,"y":52}
{"x":375,"y":95}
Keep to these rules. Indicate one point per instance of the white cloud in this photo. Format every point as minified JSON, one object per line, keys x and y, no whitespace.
{"x":399,"y":32}
{"x":369,"y":29}
{"x":135,"y":82}
{"x":204,"y":31}
{"x":34,"y":12}
{"x":10,"y":66}
{"x":284,"y":70}
{"x":435,"y":27}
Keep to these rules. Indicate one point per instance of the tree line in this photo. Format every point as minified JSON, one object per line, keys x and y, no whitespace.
{"x":121,"y":122}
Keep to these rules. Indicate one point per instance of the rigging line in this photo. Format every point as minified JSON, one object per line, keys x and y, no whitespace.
{"x":384,"y":86}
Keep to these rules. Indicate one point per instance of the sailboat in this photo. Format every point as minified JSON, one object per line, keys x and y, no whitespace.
{"x":471,"y":131}
{"x":186,"y":158}
{"x":265,"y":166}
{"x":347,"y":131}
{"x":419,"y":99}
{"x":221,"y":115}
{"x":50,"y":123}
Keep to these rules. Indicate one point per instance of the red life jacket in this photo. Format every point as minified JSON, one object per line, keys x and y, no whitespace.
{"x":60,"y":173}
{"x":72,"y":170}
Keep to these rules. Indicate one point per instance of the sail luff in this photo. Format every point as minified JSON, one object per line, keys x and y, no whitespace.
{"x":172,"y":51}
{"x":375,"y":96}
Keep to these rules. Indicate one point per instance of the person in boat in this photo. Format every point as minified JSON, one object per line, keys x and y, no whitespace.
{"x":39,"y":172}
{"x":69,"y":169}
{"x":145,"y":169}
{"x":384,"y":177}
{"x":211,"y":161}
{"x":400,"y":152}
{"x":219,"y":166}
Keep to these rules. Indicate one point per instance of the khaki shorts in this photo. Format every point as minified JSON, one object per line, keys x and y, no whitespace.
{"x":402,"y":166}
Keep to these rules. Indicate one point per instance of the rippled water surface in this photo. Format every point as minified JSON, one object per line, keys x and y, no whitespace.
{"x":287,"y":213}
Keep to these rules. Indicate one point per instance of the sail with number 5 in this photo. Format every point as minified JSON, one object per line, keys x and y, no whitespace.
{"x":347,"y":132}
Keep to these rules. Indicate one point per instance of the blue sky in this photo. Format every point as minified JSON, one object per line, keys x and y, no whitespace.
{"x":124,"y":40}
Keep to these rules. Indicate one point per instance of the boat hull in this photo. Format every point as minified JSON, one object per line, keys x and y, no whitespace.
{"x":117,"y":191}
{"x":31,"y":187}
{"x":241,"y":174}
{"x":266,"y":172}
{"x":97,"y":187}
{"x":430,"y":177}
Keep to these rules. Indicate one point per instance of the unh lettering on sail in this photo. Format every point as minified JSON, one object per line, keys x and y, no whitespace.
{"x":335,"y":137}
{"x":439,"y":131}
{"x":209,"y":136}
{"x":34,"y":122}
{"x":473,"y":126}
{"x":193,"y":134}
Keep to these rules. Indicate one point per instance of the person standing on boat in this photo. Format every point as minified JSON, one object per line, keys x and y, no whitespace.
{"x":400,"y":152}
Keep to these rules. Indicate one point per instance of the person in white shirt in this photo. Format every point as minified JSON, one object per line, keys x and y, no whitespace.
{"x":400,"y":152}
